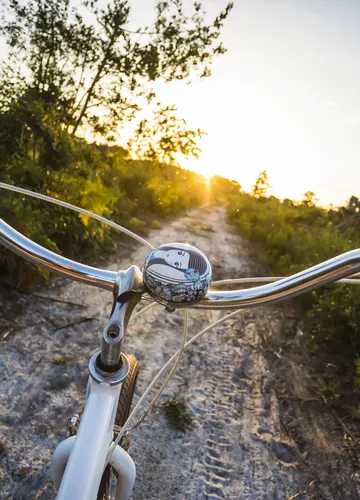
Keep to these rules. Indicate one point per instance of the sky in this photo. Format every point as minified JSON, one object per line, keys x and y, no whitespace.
{"x":285,"y":97}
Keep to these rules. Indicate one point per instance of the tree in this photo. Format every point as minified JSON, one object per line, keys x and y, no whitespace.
{"x":353,"y":205}
{"x":70,"y":73}
{"x":261,"y":185}
{"x":309,"y":199}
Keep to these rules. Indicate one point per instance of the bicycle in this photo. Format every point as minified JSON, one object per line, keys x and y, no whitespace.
{"x":95,"y":455}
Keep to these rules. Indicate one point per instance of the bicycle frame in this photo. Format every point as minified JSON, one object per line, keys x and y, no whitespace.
{"x":79,"y":462}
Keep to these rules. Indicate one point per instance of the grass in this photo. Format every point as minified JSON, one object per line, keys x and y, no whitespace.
{"x":3,"y":445}
{"x":58,"y":359}
{"x":331,"y":388}
{"x":177,"y":415}
{"x":155,"y":224}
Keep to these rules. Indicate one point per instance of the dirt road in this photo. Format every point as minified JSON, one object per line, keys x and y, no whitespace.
{"x":252,"y":436}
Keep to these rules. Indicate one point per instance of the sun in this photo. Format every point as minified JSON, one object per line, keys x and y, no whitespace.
{"x":208,"y":176}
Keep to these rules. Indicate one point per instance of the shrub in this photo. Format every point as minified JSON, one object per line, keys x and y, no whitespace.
{"x":295,"y":237}
{"x":155,"y":224}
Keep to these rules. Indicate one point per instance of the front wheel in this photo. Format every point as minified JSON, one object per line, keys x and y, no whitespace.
{"x":122,"y":413}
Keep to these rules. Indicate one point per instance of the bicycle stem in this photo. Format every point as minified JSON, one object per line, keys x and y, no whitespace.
{"x":127,"y":294}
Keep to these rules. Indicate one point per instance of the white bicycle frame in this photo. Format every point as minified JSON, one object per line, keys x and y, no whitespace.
{"x":79,"y":461}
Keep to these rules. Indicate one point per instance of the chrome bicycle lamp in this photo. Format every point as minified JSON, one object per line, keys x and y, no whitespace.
{"x":177,"y":275}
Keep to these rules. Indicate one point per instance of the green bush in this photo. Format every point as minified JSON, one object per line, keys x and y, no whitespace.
{"x":295,"y":237}
{"x":101,"y":179}
{"x":136,"y":225}
{"x":155,"y":224}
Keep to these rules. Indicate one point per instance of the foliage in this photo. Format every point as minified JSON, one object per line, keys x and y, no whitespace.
{"x":309,"y":199}
{"x":76,"y":68}
{"x":261,"y":185}
{"x":67,"y":72}
{"x":101,"y":179}
{"x":297,"y":236}
{"x":177,"y":414}
{"x":164,"y":137}
{"x":155,"y":224}
{"x":357,"y":373}
{"x":331,"y":388}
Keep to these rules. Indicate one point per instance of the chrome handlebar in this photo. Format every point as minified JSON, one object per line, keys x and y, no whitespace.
{"x":40,"y":256}
{"x":329,"y":271}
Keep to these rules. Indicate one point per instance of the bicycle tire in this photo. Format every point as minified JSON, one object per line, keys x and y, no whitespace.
{"x":122,"y":413}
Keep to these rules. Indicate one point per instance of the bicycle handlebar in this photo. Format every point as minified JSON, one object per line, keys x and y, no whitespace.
{"x":43,"y":257}
{"x":329,"y":271}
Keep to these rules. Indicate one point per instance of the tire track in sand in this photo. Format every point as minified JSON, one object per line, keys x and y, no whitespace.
{"x":236,"y":448}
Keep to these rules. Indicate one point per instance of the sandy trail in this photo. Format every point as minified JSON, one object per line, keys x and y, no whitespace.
{"x":236,"y":447}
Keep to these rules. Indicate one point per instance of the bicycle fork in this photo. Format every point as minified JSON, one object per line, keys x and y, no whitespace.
{"x":78,"y":462}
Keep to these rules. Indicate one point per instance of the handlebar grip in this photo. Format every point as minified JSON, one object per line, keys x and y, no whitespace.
{"x":40,"y":256}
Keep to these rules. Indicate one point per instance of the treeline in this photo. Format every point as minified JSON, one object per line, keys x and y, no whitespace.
{"x":101,"y":179}
{"x":294,"y":236}
{"x":65,"y":74}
